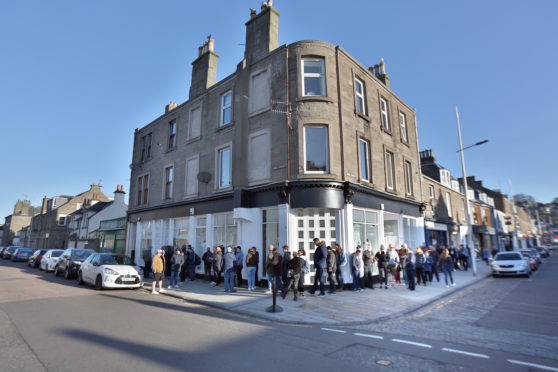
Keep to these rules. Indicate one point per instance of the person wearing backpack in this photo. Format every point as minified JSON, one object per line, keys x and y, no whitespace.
{"x":331,"y":269}
{"x":295,"y":265}
{"x":420,"y":261}
{"x":207,"y":259}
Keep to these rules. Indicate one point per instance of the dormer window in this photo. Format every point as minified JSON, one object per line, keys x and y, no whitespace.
{"x":445,"y":177}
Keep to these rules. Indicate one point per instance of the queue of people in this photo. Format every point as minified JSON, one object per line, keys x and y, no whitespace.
{"x":284,"y":271}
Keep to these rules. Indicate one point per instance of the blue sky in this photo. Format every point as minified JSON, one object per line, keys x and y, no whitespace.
{"x":76,"y":79}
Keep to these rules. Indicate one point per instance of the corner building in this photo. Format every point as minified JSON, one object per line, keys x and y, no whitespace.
{"x":301,"y":141}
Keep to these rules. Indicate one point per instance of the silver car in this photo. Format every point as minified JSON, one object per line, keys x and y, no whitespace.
{"x":510,"y":263}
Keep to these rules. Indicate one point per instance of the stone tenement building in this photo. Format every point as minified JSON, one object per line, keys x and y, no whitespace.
{"x":301,"y":141}
{"x":15,"y":222}
{"x":49,"y":229}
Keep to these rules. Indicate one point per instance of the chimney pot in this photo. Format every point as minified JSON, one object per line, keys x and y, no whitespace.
{"x":252,"y":13}
{"x":264,"y":6}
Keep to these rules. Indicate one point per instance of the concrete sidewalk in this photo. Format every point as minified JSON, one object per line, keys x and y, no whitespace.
{"x":344,"y":308}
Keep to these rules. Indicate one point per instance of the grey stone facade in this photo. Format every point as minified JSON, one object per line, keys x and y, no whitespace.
{"x":276,"y":159}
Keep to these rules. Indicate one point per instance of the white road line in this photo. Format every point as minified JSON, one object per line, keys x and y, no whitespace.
{"x":466,"y":353}
{"x":369,"y":336}
{"x":532,"y":365}
{"x":411,"y":343}
{"x":334,"y":330}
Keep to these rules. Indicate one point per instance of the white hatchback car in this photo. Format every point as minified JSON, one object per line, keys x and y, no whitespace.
{"x":49,"y":260}
{"x":510,"y":263}
{"x":110,"y":270}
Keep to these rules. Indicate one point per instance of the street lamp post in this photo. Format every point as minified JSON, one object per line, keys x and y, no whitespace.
{"x":470,"y":242}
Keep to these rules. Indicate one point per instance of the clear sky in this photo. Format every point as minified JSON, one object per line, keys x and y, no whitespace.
{"x":77,"y":77}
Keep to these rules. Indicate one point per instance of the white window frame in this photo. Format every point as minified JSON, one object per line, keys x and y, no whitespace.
{"x":384,"y":112}
{"x":390,"y":169}
{"x":448,"y":203}
{"x":403,"y":127}
{"x":366,"y":159}
{"x":314,"y":75}
{"x":62,"y":220}
{"x":172,"y":134}
{"x":224,"y":107}
{"x":218,"y":166}
{"x":445,"y":177}
{"x":165,"y":181}
{"x":360,"y":96}
{"x":408,"y":177}
{"x":327,"y":149}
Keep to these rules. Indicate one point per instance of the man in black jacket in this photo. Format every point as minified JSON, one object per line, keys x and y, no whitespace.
{"x":207,"y":259}
{"x":286,"y":260}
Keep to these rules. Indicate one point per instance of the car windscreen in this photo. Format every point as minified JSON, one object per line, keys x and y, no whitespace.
{"x":56,"y":253}
{"x":26,"y":250}
{"x":12,"y":249}
{"x":526,"y":253}
{"x":507,"y":257}
{"x":81,"y":254}
{"x":107,"y":259}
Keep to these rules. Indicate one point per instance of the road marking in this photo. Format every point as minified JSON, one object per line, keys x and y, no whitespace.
{"x":370,"y":336}
{"x":532,"y":365}
{"x":334,"y":330}
{"x":466,"y":353}
{"x":411,"y":343}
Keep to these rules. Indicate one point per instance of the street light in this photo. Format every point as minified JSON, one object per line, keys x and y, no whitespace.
{"x":470,"y":242}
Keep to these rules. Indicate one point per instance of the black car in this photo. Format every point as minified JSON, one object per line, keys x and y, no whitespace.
{"x":22,"y":254}
{"x":35,"y":259}
{"x":70,"y":261}
{"x":7,"y":255}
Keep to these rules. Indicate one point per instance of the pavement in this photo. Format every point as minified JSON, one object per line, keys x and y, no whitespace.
{"x":343,"y":309}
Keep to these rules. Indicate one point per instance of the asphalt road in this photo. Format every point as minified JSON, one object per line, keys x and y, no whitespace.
{"x":50,"y":323}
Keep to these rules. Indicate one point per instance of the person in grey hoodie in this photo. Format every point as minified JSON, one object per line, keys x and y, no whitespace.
{"x":177,"y":261}
{"x":229,"y":269}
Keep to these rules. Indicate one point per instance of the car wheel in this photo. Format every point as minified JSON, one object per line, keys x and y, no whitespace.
{"x":99,"y":283}
{"x":67,"y":274}
{"x":80,"y":278}
{"x":56,"y":273}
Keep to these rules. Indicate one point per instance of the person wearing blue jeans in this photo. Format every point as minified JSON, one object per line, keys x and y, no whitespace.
{"x":357,"y":267}
{"x":229,"y":269}
{"x":251,"y":267}
{"x":177,"y":261}
{"x":320,"y":263}
{"x":446,"y":263}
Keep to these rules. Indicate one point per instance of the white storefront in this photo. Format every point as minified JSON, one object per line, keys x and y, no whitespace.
{"x":350,"y":227}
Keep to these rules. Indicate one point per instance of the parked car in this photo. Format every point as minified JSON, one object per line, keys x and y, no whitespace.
{"x":2,"y":251}
{"x":50,"y":259}
{"x":536,"y":255}
{"x":531,"y":259}
{"x":22,"y":254}
{"x":70,"y":261}
{"x":543,"y":252}
{"x":510,"y":263}
{"x":110,"y":270}
{"x":35,"y":259}
{"x":9,"y":251}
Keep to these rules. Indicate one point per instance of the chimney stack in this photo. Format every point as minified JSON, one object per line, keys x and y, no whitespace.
{"x":204,"y":69}
{"x":382,"y":75}
{"x":262,"y":32}
{"x":171,"y":106}
{"x":427,"y":157}
{"x":44,"y":207}
{"x":119,"y":194}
